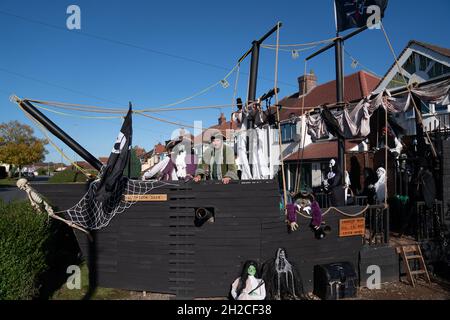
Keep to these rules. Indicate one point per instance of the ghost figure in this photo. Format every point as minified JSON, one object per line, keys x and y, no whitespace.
{"x":380,"y":185}
{"x":248,"y":286}
{"x":283,"y":281}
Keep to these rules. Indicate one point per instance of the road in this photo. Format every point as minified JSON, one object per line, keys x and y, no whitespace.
{"x":12,"y":193}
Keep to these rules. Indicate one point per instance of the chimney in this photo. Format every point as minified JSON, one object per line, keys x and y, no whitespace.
{"x":306,"y":83}
{"x":222,"y":119}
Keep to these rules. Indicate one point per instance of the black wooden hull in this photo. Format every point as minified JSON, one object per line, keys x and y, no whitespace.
{"x":154,"y":246}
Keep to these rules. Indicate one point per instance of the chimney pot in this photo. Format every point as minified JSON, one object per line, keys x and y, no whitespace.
{"x":306,"y":83}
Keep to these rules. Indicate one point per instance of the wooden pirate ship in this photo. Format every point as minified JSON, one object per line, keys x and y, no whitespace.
{"x":156,"y":246}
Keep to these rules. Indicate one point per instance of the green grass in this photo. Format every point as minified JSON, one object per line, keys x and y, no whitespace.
{"x":100,"y":293}
{"x":8,"y":182}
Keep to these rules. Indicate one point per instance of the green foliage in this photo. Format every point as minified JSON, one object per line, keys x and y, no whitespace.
{"x":24,"y":236}
{"x":135,"y":166}
{"x":19,"y":146}
{"x":68,"y":176}
{"x":42,"y":171}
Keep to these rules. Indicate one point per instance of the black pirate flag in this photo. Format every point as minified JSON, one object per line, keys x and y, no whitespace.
{"x":358,"y":13}
{"x":113,"y":172}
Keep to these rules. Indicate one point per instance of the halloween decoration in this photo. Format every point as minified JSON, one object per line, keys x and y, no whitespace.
{"x":248,"y":286}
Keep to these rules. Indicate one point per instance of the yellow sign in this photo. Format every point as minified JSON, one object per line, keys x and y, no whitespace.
{"x":145,"y":197}
{"x":352,"y":227}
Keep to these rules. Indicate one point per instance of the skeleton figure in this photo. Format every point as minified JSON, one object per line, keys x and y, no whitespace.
{"x":41,"y":205}
{"x":35,"y":199}
{"x":283,"y":281}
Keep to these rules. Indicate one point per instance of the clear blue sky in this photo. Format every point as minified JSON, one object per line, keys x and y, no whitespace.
{"x":213,"y":33}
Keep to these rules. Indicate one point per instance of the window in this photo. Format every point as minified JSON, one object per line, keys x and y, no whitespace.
{"x":424,"y":107}
{"x":287,"y":132}
{"x":397,"y":81}
{"x":410,"y":64}
{"x":275,"y":135}
{"x":437,"y":70}
{"x":440,"y":108}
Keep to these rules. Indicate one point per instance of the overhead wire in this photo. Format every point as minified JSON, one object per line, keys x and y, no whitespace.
{"x":123,"y":43}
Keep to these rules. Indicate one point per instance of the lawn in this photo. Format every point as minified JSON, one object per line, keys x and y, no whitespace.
{"x":8,"y":182}
{"x":100,"y":293}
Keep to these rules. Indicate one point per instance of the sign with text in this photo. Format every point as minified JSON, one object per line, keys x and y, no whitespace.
{"x":145,"y":197}
{"x":352,"y":227}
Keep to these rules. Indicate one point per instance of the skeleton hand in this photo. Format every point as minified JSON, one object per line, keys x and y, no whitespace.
{"x":294,"y":226}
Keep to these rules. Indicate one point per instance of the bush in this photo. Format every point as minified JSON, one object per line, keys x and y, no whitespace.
{"x":23,"y":254}
{"x":68,"y":176}
{"x":42,"y":171}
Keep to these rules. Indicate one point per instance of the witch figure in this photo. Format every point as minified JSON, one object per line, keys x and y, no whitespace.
{"x":283,"y":280}
{"x":248,"y":286}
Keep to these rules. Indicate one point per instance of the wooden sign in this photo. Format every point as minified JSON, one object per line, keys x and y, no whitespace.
{"x":352,"y":227}
{"x":145,"y":197}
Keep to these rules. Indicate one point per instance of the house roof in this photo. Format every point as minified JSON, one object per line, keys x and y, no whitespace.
{"x":320,"y":150}
{"x":159,"y":148}
{"x":440,"y":50}
{"x":103,"y":160}
{"x":84,"y":165}
{"x":357,"y":86}
{"x":225,"y":128}
{"x":140,"y":152}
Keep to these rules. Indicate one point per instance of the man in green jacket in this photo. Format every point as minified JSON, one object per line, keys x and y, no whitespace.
{"x":218,"y":162}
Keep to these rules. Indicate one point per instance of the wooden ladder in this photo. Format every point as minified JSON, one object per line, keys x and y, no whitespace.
{"x":413,"y":252}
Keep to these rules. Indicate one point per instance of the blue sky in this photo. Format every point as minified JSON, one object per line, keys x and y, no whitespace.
{"x":176,"y":49}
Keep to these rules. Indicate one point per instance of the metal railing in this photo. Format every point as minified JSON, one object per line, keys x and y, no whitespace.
{"x":429,"y":221}
{"x":377,"y":225}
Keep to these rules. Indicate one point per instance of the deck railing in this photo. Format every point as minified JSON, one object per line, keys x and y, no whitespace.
{"x":429,"y":221}
{"x":377,"y":225}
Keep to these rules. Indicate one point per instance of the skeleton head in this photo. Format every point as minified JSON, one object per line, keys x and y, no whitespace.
{"x":332,"y":163}
{"x":22,"y":184}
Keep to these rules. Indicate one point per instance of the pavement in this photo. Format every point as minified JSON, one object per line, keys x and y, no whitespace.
{"x":12,"y":193}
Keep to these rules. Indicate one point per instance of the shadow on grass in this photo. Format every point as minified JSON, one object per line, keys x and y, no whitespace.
{"x":63,"y":251}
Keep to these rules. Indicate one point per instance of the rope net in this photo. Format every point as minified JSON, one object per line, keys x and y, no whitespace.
{"x":90,"y":214}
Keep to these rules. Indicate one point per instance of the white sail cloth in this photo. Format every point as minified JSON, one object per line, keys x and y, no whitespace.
{"x":356,"y":122}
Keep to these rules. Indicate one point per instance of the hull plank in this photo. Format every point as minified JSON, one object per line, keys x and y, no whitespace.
{"x":154,"y":246}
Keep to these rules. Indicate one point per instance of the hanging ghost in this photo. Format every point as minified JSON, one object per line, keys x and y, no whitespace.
{"x":282,"y":279}
{"x":380,"y":185}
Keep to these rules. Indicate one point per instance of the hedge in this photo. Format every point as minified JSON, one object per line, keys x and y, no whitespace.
{"x":35,"y":252}
{"x":24,"y":237}
{"x":68,"y":176}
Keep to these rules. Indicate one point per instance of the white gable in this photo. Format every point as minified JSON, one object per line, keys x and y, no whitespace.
{"x":426,"y":61}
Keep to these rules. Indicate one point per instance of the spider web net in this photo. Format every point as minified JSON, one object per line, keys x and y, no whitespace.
{"x":93,"y":215}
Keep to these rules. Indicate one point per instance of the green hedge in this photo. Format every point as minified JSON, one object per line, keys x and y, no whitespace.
{"x":24,"y":237}
{"x":68,"y":176}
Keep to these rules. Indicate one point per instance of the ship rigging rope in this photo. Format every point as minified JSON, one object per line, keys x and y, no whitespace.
{"x":314,"y":43}
{"x":300,"y":161}
{"x":339,"y":211}
{"x":283,"y":174}
{"x":418,"y":112}
{"x":288,"y":50}
{"x":45,"y":133}
{"x":96,"y":109}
